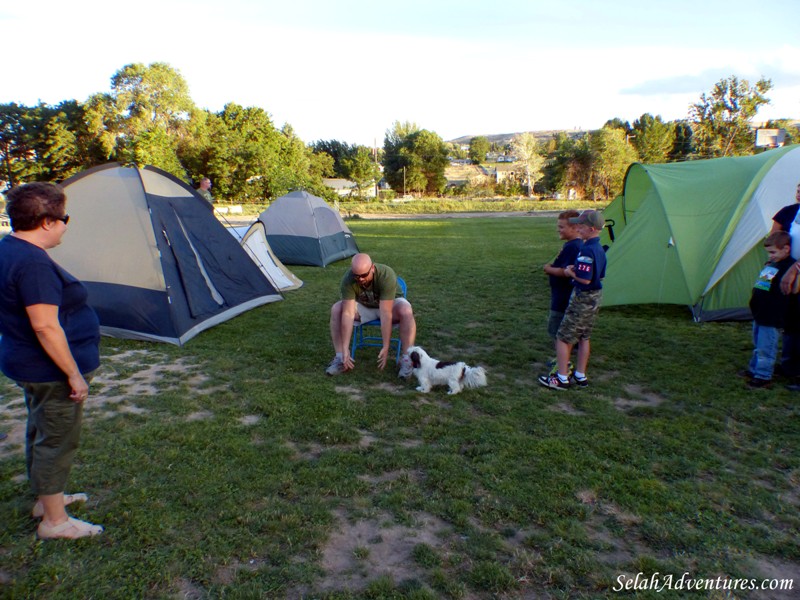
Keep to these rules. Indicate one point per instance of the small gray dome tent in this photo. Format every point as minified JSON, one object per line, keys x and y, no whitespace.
{"x":303,"y":230}
{"x":157,"y":263}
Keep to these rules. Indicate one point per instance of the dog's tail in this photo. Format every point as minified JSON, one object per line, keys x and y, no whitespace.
{"x":474,"y":377}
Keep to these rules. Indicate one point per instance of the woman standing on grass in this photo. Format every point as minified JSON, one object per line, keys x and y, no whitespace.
{"x":49,"y":347}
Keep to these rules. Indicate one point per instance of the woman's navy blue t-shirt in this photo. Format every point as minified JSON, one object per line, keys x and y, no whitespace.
{"x":28,"y":276}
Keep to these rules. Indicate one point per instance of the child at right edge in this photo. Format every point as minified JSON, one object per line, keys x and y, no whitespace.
{"x":769,"y":305}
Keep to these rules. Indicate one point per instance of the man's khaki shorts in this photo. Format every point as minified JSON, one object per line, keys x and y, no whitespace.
{"x":370,"y":314}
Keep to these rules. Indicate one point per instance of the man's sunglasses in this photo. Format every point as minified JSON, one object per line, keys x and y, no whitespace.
{"x":64,"y":219}
{"x":363,"y":275}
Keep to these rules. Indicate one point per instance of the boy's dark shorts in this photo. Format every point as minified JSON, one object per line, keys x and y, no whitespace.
{"x":580,"y":316}
{"x":554,"y":322}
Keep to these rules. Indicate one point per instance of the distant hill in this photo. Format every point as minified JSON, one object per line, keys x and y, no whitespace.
{"x":505,"y":138}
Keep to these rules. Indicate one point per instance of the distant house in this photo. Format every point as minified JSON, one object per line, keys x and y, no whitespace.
{"x":345,"y":187}
{"x":770,"y":138}
{"x":503,"y":172}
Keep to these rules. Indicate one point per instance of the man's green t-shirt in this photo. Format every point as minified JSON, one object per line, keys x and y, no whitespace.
{"x":382,"y":287}
{"x":206,"y":195}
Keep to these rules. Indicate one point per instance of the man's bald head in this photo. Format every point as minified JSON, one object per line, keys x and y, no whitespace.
{"x":361,"y":263}
{"x":361,"y":267}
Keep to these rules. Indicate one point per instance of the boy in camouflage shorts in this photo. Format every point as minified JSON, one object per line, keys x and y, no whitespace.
{"x":584,"y":304}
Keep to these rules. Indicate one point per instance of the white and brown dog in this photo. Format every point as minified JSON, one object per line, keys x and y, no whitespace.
{"x":455,"y":375}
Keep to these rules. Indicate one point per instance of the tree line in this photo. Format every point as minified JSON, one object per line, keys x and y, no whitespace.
{"x":149,"y":118}
{"x":593,"y":165}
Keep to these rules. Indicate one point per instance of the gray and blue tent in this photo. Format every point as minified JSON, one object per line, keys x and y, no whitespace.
{"x":303,"y":230}
{"x":157,"y":263}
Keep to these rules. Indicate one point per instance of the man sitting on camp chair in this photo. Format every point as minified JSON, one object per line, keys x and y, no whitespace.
{"x":369,"y":291}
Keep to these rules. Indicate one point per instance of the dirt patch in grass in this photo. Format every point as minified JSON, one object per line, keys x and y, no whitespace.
{"x":397,"y":390}
{"x":360,"y":551}
{"x":367,"y":439}
{"x":200,"y":415}
{"x":567,"y":409}
{"x":120,"y":381}
{"x":351,"y":391}
{"x":305,"y":451}
{"x":640,"y":398}
{"x":188,"y":590}
{"x":391,"y":476}
{"x":619,"y":550}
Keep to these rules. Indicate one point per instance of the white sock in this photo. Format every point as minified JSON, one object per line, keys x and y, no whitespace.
{"x":339,"y":355}
{"x":579,"y":375}
{"x":563,"y":378}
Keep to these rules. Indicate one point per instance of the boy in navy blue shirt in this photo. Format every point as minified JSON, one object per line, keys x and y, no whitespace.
{"x":560,"y":282}
{"x":576,"y":328}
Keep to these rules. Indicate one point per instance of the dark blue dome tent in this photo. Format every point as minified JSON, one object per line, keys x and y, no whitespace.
{"x":157,"y":263}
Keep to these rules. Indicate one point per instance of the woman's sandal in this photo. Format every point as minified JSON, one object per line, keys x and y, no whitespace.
{"x":70,"y":529}
{"x":38,"y":509}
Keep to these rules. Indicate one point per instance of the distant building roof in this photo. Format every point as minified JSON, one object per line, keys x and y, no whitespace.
{"x":339,"y":183}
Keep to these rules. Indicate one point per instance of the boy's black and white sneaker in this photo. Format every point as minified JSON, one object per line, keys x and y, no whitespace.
{"x":581,"y":383}
{"x":553,"y":382}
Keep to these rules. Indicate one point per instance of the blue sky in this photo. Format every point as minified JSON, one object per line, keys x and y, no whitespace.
{"x":348,"y":69}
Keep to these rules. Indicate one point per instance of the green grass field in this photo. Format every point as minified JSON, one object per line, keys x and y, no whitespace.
{"x":234,"y":468}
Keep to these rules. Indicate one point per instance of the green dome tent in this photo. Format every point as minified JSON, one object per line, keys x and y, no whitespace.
{"x":691,"y":233}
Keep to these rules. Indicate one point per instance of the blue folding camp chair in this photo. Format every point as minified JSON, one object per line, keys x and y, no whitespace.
{"x":360,"y":340}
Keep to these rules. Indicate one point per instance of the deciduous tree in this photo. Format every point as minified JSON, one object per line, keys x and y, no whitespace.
{"x":721,"y":119}
{"x":611,"y":157}
{"x":44,"y":142}
{"x":478,"y":147}
{"x":653,"y":138}
{"x":14,"y":148}
{"x":244,"y":156}
{"x":684,"y":145}
{"x":526,"y":148}
{"x":143,"y":115}
{"x":569,"y":165}
{"x":414,"y":159}
{"x":339,"y":151}
{"x":362,"y":170}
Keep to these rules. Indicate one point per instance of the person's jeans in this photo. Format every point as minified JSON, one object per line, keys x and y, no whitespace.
{"x":765,"y":351}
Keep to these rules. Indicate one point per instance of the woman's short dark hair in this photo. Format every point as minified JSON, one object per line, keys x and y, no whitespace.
{"x":29,"y":204}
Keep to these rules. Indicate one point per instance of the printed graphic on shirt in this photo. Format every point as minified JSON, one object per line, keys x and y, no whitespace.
{"x":367,"y":297}
{"x":765,"y":278}
{"x":584,"y":267}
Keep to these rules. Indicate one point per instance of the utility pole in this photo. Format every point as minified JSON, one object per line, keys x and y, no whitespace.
{"x":375,"y":158}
